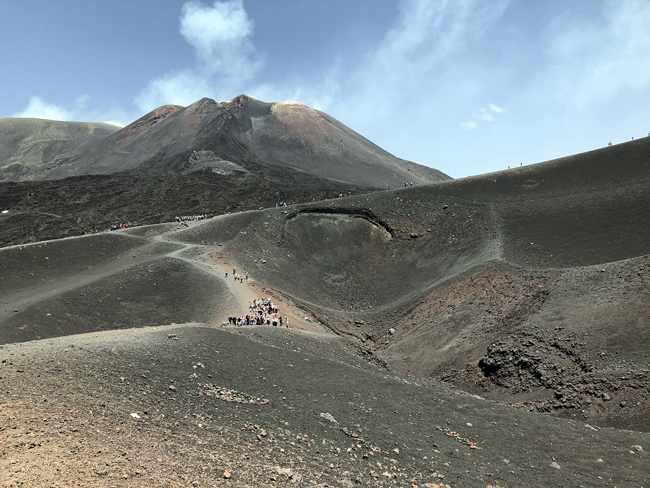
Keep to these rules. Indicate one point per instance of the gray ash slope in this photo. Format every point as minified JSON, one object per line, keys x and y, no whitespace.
{"x":527,"y":287}
{"x":25,"y":144}
{"x":229,"y":138}
{"x":314,"y":420}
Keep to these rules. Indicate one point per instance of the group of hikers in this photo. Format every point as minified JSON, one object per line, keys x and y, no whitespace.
{"x":184,"y":218}
{"x":236,"y":276}
{"x":192,"y":218}
{"x":262,"y":312}
{"x":123,"y":225}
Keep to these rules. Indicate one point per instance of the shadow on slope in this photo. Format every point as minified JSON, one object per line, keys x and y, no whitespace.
{"x":103,"y":282}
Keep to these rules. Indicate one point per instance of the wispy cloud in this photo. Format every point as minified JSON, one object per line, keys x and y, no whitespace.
{"x":595,"y":58}
{"x":226,"y":59}
{"x":401,"y":89}
{"x":484,"y":114}
{"x":496,"y":109}
{"x":80,"y":110}
{"x":40,"y":109}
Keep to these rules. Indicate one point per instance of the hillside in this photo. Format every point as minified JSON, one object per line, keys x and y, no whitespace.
{"x":25,"y":144}
{"x":487,"y":331}
{"x":233,"y":137}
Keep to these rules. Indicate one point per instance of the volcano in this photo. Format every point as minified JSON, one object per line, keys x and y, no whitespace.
{"x":237,"y":136}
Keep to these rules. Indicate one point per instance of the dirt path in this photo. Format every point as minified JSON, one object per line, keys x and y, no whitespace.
{"x":250,"y":290}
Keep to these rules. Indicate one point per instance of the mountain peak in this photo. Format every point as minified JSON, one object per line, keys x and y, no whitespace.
{"x":244,"y":131}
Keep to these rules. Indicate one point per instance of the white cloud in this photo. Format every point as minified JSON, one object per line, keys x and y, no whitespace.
{"x":496,"y":109}
{"x":406,"y":86}
{"x":40,"y":109}
{"x":597,"y":57}
{"x":483,"y":115}
{"x":112,"y":122}
{"x":226,"y":59}
{"x":182,"y":88}
{"x":211,"y":29}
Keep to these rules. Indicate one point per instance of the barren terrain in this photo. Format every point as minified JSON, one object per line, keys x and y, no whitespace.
{"x":491,"y":331}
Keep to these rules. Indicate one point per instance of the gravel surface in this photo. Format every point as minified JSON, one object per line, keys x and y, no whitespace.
{"x":490,"y":331}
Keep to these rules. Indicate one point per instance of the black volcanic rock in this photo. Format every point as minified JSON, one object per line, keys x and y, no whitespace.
{"x":237,"y":136}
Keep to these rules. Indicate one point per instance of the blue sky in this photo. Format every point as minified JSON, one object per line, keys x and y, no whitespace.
{"x":464,"y":86}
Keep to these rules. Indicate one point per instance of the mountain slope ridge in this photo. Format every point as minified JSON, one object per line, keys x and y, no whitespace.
{"x":240,"y":135}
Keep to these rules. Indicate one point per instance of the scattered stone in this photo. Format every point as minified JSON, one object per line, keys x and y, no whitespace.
{"x":227,"y":475}
{"x":328,"y":416}
{"x":233,"y":396}
{"x":391,"y":331}
{"x":637,"y":448}
{"x":288,"y":472}
{"x":172,"y":336}
{"x":555,"y":465}
{"x":600,"y":460}
{"x":469,"y":424}
{"x":172,"y":387}
{"x":135,"y":416}
{"x":101,"y":472}
{"x":606,"y":397}
{"x":445,"y":207}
